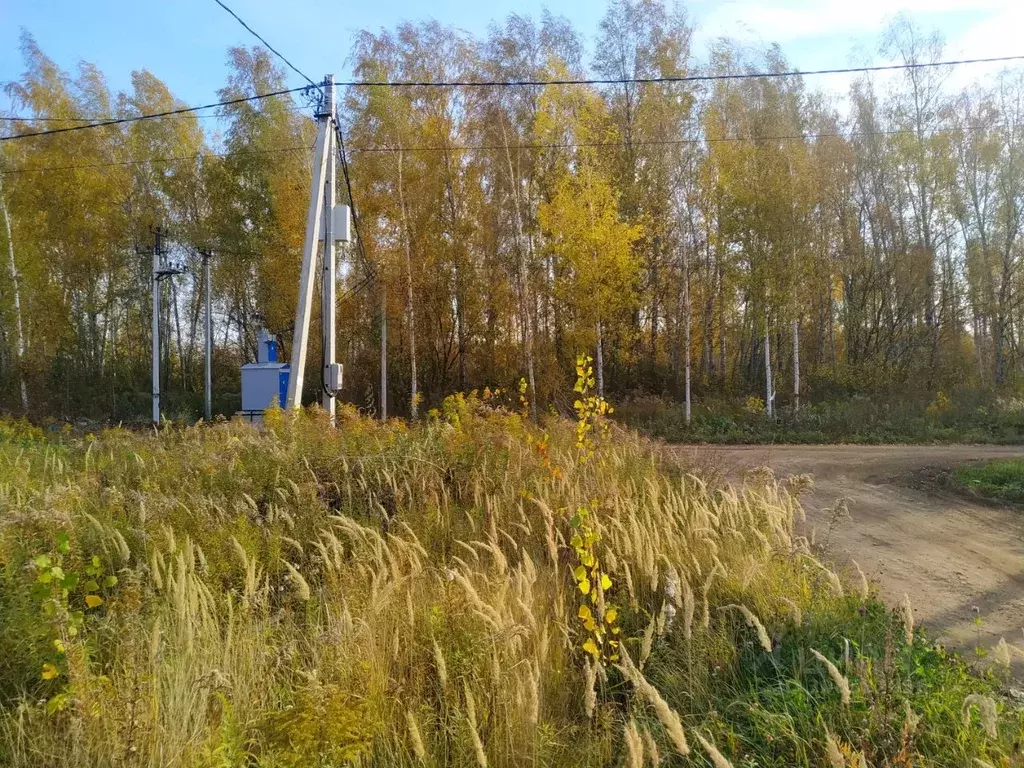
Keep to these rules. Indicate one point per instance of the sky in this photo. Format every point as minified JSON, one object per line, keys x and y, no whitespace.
{"x":184,"y":42}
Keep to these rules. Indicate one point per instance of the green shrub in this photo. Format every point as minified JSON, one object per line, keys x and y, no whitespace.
{"x":1001,"y":480}
{"x":967,"y":417}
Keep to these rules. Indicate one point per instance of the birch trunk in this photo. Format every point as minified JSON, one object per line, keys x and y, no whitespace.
{"x":409,"y":308}
{"x":686,"y":329}
{"x":524,"y":277}
{"x":383,"y":345}
{"x":796,"y":365}
{"x":177,"y":332}
{"x":769,"y":390}
{"x":600,"y":359}
{"x":16,"y":286}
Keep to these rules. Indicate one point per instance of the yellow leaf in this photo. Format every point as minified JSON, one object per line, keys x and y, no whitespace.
{"x":93,"y":601}
{"x":606,"y":582}
{"x":49,"y":672}
{"x":610,"y":616}
{"x":585,"y":612}
{"x":591,"y":647}
{"x":584,"y":586}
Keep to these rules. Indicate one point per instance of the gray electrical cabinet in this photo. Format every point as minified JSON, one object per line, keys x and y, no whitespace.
{"x":264,"y":382}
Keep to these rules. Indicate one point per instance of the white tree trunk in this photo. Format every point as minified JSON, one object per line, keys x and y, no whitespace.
{"x":600,"y":359}
{"x":796,"y":365}
{"x":686,"y":328}
{"x":524,"y":277}
{"x":409,"y":308}
{"x":19,"y":328}
{"x":383,"y":345}
{"x":769,"y":400}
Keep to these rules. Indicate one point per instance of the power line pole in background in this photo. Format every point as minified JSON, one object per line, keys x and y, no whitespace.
{"x":208,"y":340}
{"x":155,"y":286}
{"x":161,"y":268}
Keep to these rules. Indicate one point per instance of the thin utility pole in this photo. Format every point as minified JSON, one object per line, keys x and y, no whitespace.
{"x":208,"y":339}
{"x":161,"y":269}
{"x":156,"y":325}
{"x":328,"y":281}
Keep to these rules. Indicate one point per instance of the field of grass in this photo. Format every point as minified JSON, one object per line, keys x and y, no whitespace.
{"x":963,"y":418}
{"x":999,"y":480}
{"x":471,"y":591}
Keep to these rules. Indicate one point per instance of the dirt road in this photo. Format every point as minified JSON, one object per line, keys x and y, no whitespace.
{"x":955,"y":558}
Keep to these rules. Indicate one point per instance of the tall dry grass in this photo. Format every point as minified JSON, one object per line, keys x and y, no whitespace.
{"x":386,"y":596}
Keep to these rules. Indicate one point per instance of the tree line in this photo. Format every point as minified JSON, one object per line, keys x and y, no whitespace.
{"x":736,"y":235}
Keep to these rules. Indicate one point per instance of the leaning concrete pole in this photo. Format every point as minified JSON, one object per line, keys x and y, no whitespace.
{"x":314,"y":218}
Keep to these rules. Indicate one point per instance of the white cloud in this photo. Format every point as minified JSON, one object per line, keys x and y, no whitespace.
{"x":799,"y":20}
{"x":995,"y":35}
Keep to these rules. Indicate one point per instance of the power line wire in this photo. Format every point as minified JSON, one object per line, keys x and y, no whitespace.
{"x":30,"y":119}
{"x":669,"y":79}
{"x":351,"y":200}
{"x":168,"y":113}
{"x":53,"y":168}
{"x":491,"y":147}
{"x":671,"y":142}
{"x":272,"y":49}
{"x":357,"y":288}
{"x":509,"y":83}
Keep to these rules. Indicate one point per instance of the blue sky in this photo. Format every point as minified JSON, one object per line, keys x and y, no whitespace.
{"x":184,"y":42}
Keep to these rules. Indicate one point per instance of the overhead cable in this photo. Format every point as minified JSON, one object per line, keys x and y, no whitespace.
{"x":152,"y":116}
{"x":271,"y":48}
{"x":669,"y":78}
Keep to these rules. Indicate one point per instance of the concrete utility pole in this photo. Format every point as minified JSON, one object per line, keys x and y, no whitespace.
{"x":157,"y":256}
{"x":208,"y":340}
{"x":328,"y":222}
{"x":161,"y":269}
{"x":328,"y":279}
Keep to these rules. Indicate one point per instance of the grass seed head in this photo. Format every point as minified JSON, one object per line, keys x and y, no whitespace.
{"x":908,"y":619}
{"x":634,"y":745}
{"x":1002,"y":653}
{"x":862,"y":580}
{"x":837,"y":677}
{"x":986,"y":710}
{"x":652,"y":747}
{"x":717,"y":758}
{"x":795,"y":610}
{"x":415,"y":740}
{"x":833,"y":753}
{"x":301,"y":586}
{"x":754,"y":623}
